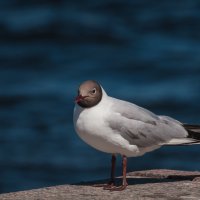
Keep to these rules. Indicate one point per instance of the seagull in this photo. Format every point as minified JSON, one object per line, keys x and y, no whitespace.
{"x":119,"y":127}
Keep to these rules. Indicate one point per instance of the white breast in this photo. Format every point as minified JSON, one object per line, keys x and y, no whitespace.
{"x":91,"y":127}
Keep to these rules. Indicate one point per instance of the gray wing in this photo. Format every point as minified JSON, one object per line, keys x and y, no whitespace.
{"x":132,"y":111}
{"x":141,"y":127}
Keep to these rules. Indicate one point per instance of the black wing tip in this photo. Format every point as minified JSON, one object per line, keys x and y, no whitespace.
{"x":193,"y":131}
{"x":191,"y":126}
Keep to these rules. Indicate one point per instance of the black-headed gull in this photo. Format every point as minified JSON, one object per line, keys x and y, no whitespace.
{"x":119,"y":127}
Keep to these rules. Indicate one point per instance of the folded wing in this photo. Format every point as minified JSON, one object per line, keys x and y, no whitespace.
{"x":145,"y":129}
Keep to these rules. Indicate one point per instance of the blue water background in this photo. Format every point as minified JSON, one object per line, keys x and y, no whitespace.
{"x":146,"y":52}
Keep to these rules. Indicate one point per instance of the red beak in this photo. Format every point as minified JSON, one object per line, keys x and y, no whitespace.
{"x":79,"y":98}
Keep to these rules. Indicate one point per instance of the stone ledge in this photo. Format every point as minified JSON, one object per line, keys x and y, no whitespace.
{"x":148,"y":185}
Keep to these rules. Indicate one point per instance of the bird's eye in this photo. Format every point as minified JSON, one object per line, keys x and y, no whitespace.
{"x":93,"y":91}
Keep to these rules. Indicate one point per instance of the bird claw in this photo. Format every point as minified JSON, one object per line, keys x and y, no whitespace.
{"x":109,"y":186}
{"x":116,"y":188}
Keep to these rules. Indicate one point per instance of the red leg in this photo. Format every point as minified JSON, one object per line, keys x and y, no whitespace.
{"x":112,"y":174}
{"x":124,"y":182}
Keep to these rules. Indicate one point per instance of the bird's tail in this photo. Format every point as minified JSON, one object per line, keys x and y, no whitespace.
{"x":193,"y":131}
{"x":192,"y":138}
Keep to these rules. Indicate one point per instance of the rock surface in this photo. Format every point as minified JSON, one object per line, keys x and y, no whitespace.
{"x":148,"y":185}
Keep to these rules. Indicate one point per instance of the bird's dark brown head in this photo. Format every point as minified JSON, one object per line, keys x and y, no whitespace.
{"x":89,"y":94}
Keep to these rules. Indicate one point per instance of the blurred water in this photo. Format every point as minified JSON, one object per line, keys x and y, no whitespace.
{"x":141,"y":51}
